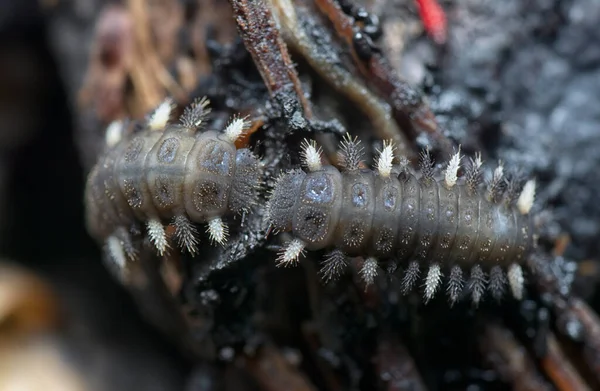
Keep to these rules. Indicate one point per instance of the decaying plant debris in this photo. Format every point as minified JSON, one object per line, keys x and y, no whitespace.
{"x":300,"y":68}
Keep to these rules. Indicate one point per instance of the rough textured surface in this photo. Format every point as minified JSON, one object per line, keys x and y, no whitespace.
{"x":517,"y":80}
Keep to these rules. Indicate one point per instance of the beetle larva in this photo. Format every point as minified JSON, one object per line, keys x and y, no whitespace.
{"x":479,"y":239}
{"x":169,"y":173}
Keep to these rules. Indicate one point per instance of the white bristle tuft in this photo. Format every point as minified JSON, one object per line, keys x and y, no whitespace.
{"x":516,"y":280}
{"x":432,"y":281}
{"x":386,"y":159}
{"x":498,"y":172}
{"x":311,"y":155}
{"x":157,"y":235}
{"x":116,"y":252}
{"x":217,"y":231}
{"x":452,"y":171}
{"x":114,"y":133}
{"x":525,"y":201}
{"x":186,"y":234}
{"x":236,"y":128}
{"x":478,"y":162}
{"x":161,"y":115}
{"x":291,"y":253}
{"x":368,"y":272}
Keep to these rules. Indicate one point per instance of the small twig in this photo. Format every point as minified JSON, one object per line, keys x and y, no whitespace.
{"x":410,"y":109}
{"x":558,"y":368}
{"x":263,"y":41}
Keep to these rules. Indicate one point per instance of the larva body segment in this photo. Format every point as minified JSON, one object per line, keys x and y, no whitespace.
{"x":444,"y":225}
{"x":170,"y":174}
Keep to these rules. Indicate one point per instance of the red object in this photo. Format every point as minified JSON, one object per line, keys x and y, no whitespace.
{"x":434,"y":20}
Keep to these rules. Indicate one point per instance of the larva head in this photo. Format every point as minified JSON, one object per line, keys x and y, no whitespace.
{"x":283,"y":199}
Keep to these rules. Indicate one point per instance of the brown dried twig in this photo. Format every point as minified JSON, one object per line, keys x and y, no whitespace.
{"x":264,"y":43}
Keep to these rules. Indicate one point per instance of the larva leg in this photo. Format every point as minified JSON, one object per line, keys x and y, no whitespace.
{"x":433,"y":281}
{"x":333,"y":265}
{"x":217,"y":230}
{"x":130,"y":251}
{"x":368,"y":272}
{"x":290,"y":254}
{"x":477,"y":284}
{"x":411,"y":275}
{"x":497,"y":284}
{"x":157,"y":235}
{"x":455,"y":284}
{"x":186,"y":234}
{"x":516,"y":280}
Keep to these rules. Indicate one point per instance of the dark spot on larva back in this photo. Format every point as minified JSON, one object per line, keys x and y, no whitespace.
{"x":133,"y":194}
{"x":165,"y":196}
{"x":311,"y":223}
{"x":209,"y":196}
{"x":354,"y":233}
{"x":384,"y":241}
{"x":168,"y":150}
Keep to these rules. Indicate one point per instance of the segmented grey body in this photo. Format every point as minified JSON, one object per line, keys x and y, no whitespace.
{"x":170,"y":174}
{"x":364,"y":214}
{"x":413,"y":220}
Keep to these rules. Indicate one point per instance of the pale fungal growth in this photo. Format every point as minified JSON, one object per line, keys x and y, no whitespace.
{"x":525,"y":201}
{"x":162,"y":114}
{"x":291,"y":253}
{"x":114,"y":133}
{"x":516,"y":280}
{"x":217,"y":230}
{"x":432,"y":281}
{"x":157,"y":235}
{"x":498,"y":172}
{"x":115,"y":250}
{"x":386,"y":159}
{"x":452,"y":171}
{"x":311,"y":155}
{"x":236,"y":128}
